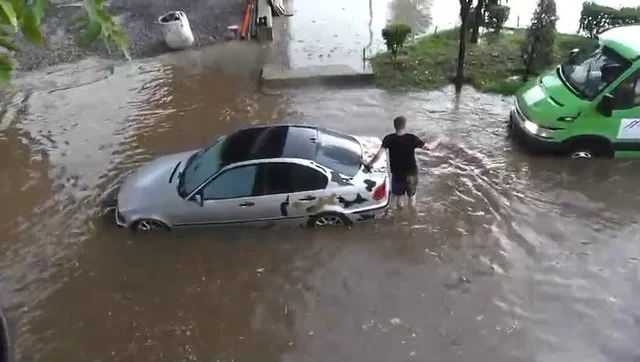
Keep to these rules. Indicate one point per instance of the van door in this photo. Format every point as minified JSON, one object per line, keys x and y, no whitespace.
{"x":626,"y":115}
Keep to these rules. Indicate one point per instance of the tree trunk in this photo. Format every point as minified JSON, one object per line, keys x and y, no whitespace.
{"x":478,"y":20}
{"x":465,"y":7}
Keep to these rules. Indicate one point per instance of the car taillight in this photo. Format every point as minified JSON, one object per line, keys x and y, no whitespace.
{"x":380,"y":192}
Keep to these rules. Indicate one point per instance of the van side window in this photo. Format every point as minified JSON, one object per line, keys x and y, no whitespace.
{"x":627,"y":94}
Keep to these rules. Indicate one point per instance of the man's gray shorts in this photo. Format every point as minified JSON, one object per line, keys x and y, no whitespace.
{"x":404,"y":184}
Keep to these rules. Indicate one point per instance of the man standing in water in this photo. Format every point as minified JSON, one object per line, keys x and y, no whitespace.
{"x":402,"y":159}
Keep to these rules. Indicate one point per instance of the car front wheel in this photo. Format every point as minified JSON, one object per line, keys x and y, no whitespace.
{"x":149,"y":225}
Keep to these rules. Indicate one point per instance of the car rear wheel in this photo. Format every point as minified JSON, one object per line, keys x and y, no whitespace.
{"x":149,"y":225}
{"x":328,"y":219}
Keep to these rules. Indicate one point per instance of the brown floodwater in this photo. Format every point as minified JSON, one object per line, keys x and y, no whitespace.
{"x":509,"y":258}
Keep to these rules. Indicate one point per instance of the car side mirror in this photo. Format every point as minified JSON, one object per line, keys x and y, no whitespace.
{"x":605,"y":107}
{"x":198,"y":199}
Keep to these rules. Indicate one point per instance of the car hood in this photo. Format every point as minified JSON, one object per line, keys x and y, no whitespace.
{"x":155,"y":183}
{"x":547,"y":99}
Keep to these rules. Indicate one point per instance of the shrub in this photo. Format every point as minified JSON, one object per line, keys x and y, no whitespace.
{"x":394,"y":36}
{"x":497,"y":16}
{"x":594,"y":18}
{"x":537,"y":47}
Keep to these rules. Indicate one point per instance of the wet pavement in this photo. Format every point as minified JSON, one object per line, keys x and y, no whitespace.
{"x":509,"y":258}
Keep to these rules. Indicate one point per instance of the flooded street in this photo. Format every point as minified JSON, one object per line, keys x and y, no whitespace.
{"x":510,"y":257}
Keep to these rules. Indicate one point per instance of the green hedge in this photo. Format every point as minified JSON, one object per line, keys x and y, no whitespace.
{"x":594,"y":18}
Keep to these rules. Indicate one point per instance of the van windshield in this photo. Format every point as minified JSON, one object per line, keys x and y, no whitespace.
{"x":590,"y":71}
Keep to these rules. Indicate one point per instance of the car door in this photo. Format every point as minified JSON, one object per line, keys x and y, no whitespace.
{"x":626,"y":112}
{"x":303,"y":187}
{"x":236,"y":195}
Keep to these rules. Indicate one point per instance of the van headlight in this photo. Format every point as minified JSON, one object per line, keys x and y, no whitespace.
{"x":538,"y":131}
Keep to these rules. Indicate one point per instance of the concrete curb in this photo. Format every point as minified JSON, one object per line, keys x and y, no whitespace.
{"x":273,"y":76}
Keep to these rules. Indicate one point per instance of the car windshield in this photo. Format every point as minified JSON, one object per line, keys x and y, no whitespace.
{"x":590,"y":71}
{"x":339,"y":152}
{"x":201,"y":166}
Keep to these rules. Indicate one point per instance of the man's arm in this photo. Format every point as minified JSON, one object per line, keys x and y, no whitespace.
{"x":375,"y":158}
{"x":431,"y":145}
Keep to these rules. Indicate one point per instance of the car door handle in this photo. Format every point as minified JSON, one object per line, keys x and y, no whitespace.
{"x":246,"y":204}
{"x":307,"y":198}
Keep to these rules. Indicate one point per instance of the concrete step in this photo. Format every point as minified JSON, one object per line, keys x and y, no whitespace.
{"x":274,"y":76}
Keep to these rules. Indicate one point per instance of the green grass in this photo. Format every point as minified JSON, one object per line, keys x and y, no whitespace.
{"x":493,"y":66}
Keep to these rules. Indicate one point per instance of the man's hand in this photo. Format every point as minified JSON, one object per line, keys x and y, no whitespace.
{"x":366,"y":165}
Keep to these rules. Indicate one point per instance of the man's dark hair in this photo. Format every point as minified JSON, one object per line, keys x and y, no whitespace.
{"x":399,"y":123}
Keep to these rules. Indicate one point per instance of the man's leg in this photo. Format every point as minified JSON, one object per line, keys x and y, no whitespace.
{"x":411,"y":187}
{"x":398,"y":189}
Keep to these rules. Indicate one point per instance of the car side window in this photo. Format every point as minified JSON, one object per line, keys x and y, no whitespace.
{"x":627,"y":93}
{"x":233,"y":183}
{"x":283,"y":178}
{"x":307,"y":179}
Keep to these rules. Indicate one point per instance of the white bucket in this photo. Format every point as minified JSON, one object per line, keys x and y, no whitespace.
{"x":176,"y":30}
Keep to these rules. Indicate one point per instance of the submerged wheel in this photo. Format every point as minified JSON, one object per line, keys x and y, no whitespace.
{"x":588,"y":149}
{"x":149,"y":225}
{"x":328,"y":219}
{"x":581,"y":154}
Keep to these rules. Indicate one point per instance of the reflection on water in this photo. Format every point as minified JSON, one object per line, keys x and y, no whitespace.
{"x":505,"y":257}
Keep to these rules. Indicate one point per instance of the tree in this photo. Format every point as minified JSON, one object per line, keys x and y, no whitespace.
{"x":23,"y":18}
{"x":415,"y":13}
{"x":465,"y":8}
{"x":480,"y":12}
{"x":394,"y":36}
{"x":537,"y":47}
{"x":478,"y":20}
{"x":496,"y":17}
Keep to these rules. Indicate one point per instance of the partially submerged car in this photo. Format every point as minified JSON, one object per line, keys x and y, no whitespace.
{"x":587,"y":107}
{"x":258,"y":175}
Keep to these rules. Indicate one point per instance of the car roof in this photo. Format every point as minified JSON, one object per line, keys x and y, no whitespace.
{"x":269,"y":142}
{"x":624,"y":40}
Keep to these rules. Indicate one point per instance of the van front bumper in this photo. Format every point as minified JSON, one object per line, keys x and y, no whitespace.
{"x":521,"y":136}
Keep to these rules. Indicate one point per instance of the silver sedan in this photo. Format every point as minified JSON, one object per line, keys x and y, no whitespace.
{"x":259,"y":176}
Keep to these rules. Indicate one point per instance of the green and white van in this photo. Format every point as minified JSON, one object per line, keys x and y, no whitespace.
{"x":587,"y":107}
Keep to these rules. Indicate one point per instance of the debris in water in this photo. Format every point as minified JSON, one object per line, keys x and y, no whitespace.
{"x":413,"y":353}
{"x":311,"y":333}
{"x":260,"y":270}
{"x":395,"y":321}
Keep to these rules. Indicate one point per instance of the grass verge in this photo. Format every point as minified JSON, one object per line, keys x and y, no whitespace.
{"x":493,"y":65}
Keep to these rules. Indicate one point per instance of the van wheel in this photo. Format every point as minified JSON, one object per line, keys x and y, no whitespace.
{"x":581,"y":150}
{"x":149,"y":225}
{"x":328,"y":219}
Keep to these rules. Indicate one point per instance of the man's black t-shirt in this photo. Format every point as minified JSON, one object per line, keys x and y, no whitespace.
{"x":402,"y":157}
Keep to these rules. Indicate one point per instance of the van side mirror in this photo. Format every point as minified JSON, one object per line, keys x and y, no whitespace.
{"x":605,"y":107}
{"x":572,"y":55}
{"x":198,"y":199}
